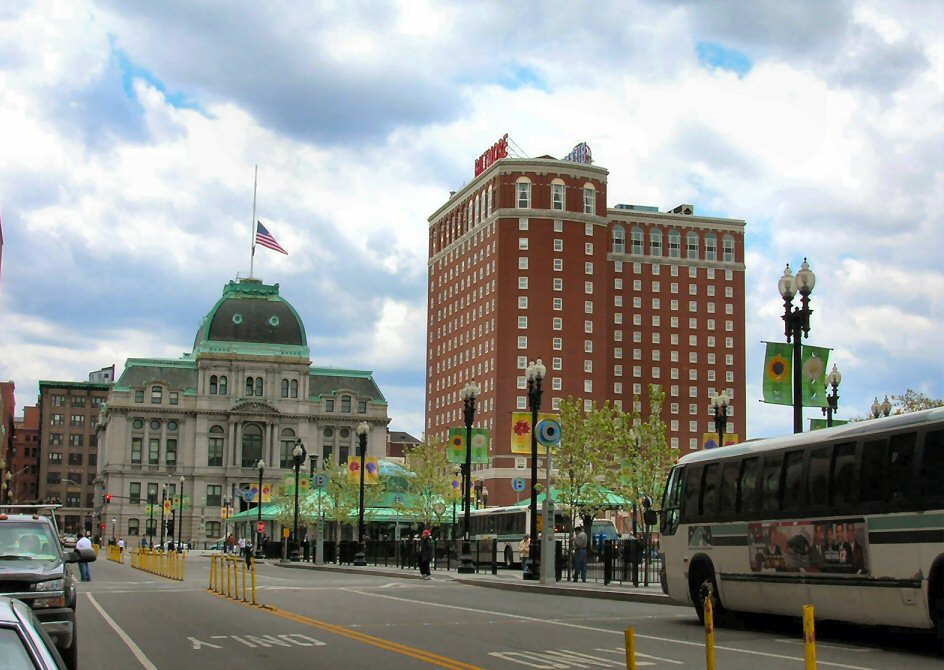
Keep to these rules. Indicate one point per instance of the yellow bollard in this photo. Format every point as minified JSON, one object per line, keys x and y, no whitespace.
{"x":229,"y":582}
{"x":809,"y":636}
{"x":709,"y":633}
{"x":242,"y":570}
{"x":253,"y":571}
{"x":630,"y":636}
{"x":183,"y":567}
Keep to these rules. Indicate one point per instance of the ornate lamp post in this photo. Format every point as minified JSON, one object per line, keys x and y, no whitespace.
{"x":180,"y":521}
{"x":881,"y":409}
{"x":298,"y":455}
{"x":795,"y":321}
{"x":259,"y":551}
{"x":832,"y":399}
{"x":360,"y":558}
{"x":468,"y":394}
{"x":151,"y":502}
{"x":535,"y":372}
{"x":113,"y":522}
{"x":719,"y":405}
{"x":163,"y":502}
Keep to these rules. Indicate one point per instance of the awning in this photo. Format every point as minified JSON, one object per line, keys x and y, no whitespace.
{"x":611,"y":499}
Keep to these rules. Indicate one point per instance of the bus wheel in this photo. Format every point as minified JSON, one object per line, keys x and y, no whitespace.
{"x":509,"y":557}
{"x":701,"y":581}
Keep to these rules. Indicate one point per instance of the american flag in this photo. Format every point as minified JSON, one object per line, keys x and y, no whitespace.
{"x":264,"y":237}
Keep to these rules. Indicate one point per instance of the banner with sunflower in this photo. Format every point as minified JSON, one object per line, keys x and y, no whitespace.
{"x":778,"y":384}
{"x":814,"y":361}
{"x":455,"y":451}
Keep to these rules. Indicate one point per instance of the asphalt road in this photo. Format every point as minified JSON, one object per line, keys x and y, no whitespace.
{"x":130,"y":619}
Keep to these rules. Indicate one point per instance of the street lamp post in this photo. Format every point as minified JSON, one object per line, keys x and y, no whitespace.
{"x":319,"y":535}
{"x":719,"y":405}
{"x":113,"y":522}
{"x":259,"y":552}
{"x":796,"y":319}
{"x":179,"y":526}
{"x":298,"y":454}
{"x":360,"y":558}
{"x":832,"y":399}
{"x":163,"y":502}
{"x":881,"y":409}
{"x":468,"y":394}
{"x":535,"y":374}
{"x":151,"y":503}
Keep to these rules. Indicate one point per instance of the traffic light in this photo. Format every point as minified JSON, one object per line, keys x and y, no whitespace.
{"x":106,"y":498}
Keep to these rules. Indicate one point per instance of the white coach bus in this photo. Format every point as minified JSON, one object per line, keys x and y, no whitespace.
{"x":849,"y":519}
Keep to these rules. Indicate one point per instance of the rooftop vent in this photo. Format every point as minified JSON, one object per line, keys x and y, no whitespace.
{"x":638,"y":208}
{"x":687,"y":210}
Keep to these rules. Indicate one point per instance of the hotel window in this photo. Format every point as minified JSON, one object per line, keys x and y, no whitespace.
{"x":618,"y":335}
{"x":523,"y":283}
{"x":656,"y":286}
{"x":588,"y":386}
{"x":711,"y":308}
{"x":656,"y":338}
{"x":675,"y":247}
{"x":693,"y":340}
{"x":728,"y":243}
{"x":522,"y":382}
{"x":558,"y":284}
{"x":520,"y":402}
{"x":491,"y":200}
{"x":618,"y":352}
{"x":656,"y":303}
{"x":522,"y":302}
{"x":692,"y":306}
{"x":77,"y":420}
{"x":557,"y":323}
{"x":617,"y":266}
{"x":619,"y":239}
{"x":673,"y":287}
{"x":588,"y":346}
{"x":711,"y":375}
{"x":588,"y":287}
{"x":637,"y":302}
{"x":55,"y":438}
{"x":556,"y":383}
{"x":693,"y":289}
{"x":617,"y":370}
{"x":711,"y":340}
{"x":729,"y":377}
{"x":55,"y":457}
{"x":522,"y":341}
{"x":589,"y":200}
{"x":555,"y":403}
{"x":675,"y":373}
{"x":711,"y":247}
{"x":693,"y":272}
{"x":522,"y":262}
{"x":729,"y":359}
{"x":729,"y":309}
{"x":656,"y":320}
{"x":673,"y":390}
{"x":618,"y":284}
{"x":557,"y":363}
{"x":637,"y":335}
{"x":557,"y":195}
{"x":729,"y":326}
{"x":588,"y":248}
{"x":588,"y":268}
{"x":617,"y":387}
{"x":617,"y":317}
{"x":637,"y":371}
{"x":558,"y":265}
{"x":710,"y":273}
{"x":692,"y":391}
{"x":673,"y":305}
{"x":522,"y":322}
{"x":558,"y":304}
{"x":691,"y":244}
{"x":588,"y":229}
{"x":58,"y":400}
{"x":655,"y":242}
{"x":728,"y":275}
{"x":637,"y":354}
{"x":588,"y":307}
{"x":524,"y":193}
{"x":523,"y":243}
{"x":558,"y":244}
{"x":656,"y":373}
{"x":657,"y":355}
{"x":588,"y":326}
{"x":75,"y":440}
{"x":522,"y":362}
{"x":558,"y":226}
{"x":638,"y":238}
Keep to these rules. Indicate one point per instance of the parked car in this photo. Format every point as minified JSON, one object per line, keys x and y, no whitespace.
{"x":34,"y":568}
{"x":24,"y":643}
{"x":69,"y":540}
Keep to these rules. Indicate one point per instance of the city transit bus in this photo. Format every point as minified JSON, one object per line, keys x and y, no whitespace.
{"x":849,"y":519}
{"x":507,"y":526}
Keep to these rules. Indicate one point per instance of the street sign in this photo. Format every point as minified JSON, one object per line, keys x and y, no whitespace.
{"x":320,"y":480}
{"x":518,"y":484}
{"x":260,"y":526}
{"x":286,"y":532}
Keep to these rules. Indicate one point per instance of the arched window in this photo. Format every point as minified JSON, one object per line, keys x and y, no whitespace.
{"x":728,"y":248}
{"x":675,"y":244}
{"x":711,"y":247}
{"x":638,"y":240}
{"x":655,"y":242}
{"x":213,"y":384}
{"x":284,"y":388}
{"x":259,"y":386}
{"x":223,"y":385}
{"x":249,"y":385}
{"x":691,"y":244}
{"x":557,"y":194}
{"x":157,"y":395}
{"x":215,"y":446}
{"x":589,"y":199}
{"x":286,"y":446}
{"x":252,"y":445}
{"x":346,"y":403}
{"x":523,"y":191}
{"x":294,"y":388}
{"x":619,"y":239}
{"x":491,"y":200}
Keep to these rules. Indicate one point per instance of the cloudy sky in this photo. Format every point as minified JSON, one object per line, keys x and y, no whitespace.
{"x":129,"y":132}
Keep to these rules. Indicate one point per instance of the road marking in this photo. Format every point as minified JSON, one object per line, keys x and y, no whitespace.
{"x":656,"y":638}
{"x":622,"y":652}
{"x":135,"y":649}
{"x":559,"y":660}
{"x":831,"y":645}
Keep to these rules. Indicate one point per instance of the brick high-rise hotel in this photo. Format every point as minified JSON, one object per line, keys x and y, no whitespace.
{"x":528,"y":261}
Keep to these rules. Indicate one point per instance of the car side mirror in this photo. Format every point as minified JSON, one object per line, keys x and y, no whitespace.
{"x":83,"y":555}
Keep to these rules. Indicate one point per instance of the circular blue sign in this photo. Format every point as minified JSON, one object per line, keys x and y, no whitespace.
{"x":518,"y":484}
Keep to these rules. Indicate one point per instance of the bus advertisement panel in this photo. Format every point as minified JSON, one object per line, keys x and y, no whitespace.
{"x":833,"y":546}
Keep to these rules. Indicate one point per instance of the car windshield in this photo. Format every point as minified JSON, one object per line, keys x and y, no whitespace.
{"x":27,"y":541}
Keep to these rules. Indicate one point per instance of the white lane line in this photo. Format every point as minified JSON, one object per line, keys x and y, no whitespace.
{"x":135,"y":649}
{"x":604,"y":630}
{"x":622,"y":650}
{"x":830,"y":645}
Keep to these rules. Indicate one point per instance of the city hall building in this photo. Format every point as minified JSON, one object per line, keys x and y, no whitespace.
{"x":527,"y":261}
{"x":199,"y":425}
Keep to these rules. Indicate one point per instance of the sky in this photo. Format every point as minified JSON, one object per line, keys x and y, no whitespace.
{"x":129,"y":133}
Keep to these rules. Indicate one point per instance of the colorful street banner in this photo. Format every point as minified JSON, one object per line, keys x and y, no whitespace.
{"x":455,"y":451}
{"x":521,"y":431}
{"x":819,"y":424}
{"x":778,"y":382}
{"x":814,"y":361}
{"x":252,"y":494}
{"x":288,"y":486}
{"x":371,"y":470}
{"x":710,"y":440}
{"x":168,"y":505}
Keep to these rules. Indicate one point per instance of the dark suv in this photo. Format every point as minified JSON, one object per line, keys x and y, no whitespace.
{"x":34,"y":569}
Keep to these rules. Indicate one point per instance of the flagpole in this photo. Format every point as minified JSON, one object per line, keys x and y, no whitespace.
{"x":252,"y":256}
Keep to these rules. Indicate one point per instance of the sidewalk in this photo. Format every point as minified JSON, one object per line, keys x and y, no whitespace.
{"x":509,"y":580}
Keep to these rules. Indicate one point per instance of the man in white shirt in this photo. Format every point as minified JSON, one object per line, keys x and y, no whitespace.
{"x":84,"y":542}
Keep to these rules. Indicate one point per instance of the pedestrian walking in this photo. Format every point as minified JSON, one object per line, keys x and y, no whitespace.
{"x":249,"y":553}
{"x":121,"y":549}
{"x":84,"y":542}
{"x":426,"y":554}
{"x":524,"y":549}
{"x":580,"y":554}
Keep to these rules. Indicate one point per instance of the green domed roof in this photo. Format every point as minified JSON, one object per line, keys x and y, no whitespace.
{"x":252,"y":317}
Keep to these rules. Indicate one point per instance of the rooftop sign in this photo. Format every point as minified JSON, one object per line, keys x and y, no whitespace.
{"x":494,"y":153}
{"x":580,"y":154}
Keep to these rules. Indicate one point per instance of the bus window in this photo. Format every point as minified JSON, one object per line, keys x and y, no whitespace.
{"x":872,"y":472}
{"x":747,"y":489}
{"x":900,"y":466}
{"x":792,"y":486}
{"x":770,"y":483}
{"x":728,"y":491}
{"x":842,"y":479}
{"x":708,"y":504}
{"x":818,"y":480}
{"x":931,"y":477}
{"x":690,"y":493}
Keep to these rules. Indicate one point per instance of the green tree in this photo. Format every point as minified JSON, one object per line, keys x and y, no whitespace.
{"x":584,"y":437}
{"x":341,"y":500}
{"x":431,"y":483}
{"x":913,"y":401}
